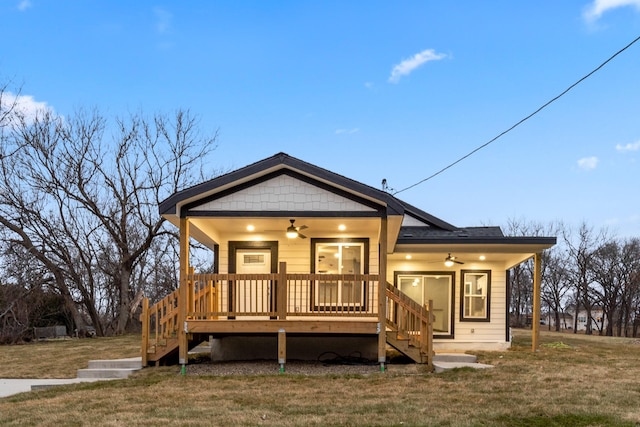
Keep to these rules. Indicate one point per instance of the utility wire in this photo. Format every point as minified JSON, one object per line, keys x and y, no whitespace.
{"x":523,"y":120}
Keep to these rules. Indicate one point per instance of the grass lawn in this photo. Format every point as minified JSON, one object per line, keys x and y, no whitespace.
{"x":574,"y":380}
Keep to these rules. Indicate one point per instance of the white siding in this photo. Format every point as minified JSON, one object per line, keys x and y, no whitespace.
{"x":489,"y":335}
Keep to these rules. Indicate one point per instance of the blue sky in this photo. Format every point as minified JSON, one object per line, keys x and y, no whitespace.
{"x":370,"y":90}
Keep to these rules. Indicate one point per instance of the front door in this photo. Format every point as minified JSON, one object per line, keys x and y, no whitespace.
{"x":251,"y":297}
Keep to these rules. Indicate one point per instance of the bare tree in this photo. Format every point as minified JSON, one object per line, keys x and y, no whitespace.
{"x":608,"y":288}
{"x":520,"y":280}
{"x":616,"y":264}
{"x":81,"y":195}
{"x":555,"y":285}
{"x":521,"y":276}
{"x":26,"y":300}
{"x":580,"y":275}
{"x":521,"y":285}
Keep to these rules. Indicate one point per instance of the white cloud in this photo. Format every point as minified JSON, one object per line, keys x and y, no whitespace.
{"x":23,"y":105}
{"x":24,"y":5}
{"x":407,"y":66}
{"x":632,"y":146}
{"x":163,"y":20}
{"x":595,"y":10}
{"x":588,"y":163}
{"x":347,"y":131}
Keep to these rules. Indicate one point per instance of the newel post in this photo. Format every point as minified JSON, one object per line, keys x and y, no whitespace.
{"x":145,"y":330}
{"x":281,"y":290}
{"x":182,"y":300}
{"x":428,"y":334}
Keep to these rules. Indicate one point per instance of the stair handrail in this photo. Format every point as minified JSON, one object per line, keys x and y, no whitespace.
{"x":164,"y":315}
{"x":412,"y":319}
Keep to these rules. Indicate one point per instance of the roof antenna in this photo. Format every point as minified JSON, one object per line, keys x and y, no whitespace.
{"x":385,"y":187}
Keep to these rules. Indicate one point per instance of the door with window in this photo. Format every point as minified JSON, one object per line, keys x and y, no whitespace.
{"x":437,"y":287}
{"x":344,"y":257}
{"x":252,"y":296}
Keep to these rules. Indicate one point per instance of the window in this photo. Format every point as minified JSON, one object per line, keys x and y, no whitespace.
{"x":253,"y":259}
{"x":339,"y":257}
{"x":431,"y":286}
{"x":475,"y":295}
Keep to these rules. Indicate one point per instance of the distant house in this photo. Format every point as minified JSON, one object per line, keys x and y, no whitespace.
{"x":598,"y":321}
{"x":308,"y":261}
{"x":566,"y":320}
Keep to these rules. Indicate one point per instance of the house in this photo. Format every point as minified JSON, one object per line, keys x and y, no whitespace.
{"x":565,"y":320}
{"x":308,"y":261}
{"x":598,"y":321}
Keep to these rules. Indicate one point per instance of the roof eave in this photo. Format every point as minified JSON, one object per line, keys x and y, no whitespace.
{"x":542,"y":241}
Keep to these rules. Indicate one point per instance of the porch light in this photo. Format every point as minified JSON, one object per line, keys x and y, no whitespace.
{"x":250,"y":227}
{"x":482,"y":257}
{"x":408,"y":257}
{"x":342,"y":227}
{"x":292,"y":233}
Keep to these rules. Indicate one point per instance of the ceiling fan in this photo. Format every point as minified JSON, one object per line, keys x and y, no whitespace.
{"x":293,"y":231}
{"x":450,"y":260}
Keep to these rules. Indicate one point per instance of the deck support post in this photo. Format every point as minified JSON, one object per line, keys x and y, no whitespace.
{"x":382,"y":293}
{"x":535,"y":318}
{"x":182,"y":299}
{"x":282,"y":348}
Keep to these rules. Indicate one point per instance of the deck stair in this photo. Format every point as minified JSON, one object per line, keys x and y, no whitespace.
{"x":409,"y":326}
{"x":111,"y":369}
{"x":404,"y":346}
{"x":162,"y":350}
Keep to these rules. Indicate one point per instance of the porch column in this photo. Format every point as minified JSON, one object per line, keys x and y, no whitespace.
{"x":382,"y":293}
{"x":182,"y":301}
{"x":535,"y":318}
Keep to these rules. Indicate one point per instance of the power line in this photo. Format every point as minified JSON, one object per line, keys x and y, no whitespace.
{"x":523,"y":120}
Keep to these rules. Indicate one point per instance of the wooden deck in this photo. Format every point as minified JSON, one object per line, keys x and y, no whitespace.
{"x":272,"y":303}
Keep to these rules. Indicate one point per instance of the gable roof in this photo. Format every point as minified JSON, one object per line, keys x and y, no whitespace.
{"x":409,"y":226}
{"x":173,"y":205}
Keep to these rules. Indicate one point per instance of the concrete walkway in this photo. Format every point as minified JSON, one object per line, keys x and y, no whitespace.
{"x":10,"y":387}
{"x":99,"y":370}
{"x":446,"y":361}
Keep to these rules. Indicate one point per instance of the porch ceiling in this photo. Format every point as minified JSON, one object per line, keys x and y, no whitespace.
{"x":210,"y":230}
{"x":507,"y":254}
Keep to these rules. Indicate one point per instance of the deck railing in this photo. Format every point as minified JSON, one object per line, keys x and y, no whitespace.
{"x":159,"y":322}
{"x":231,"y":296}
{"x":260,"y":296}
{"x":410,"y":320}
{"x":281,"y":296}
